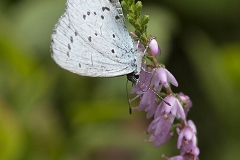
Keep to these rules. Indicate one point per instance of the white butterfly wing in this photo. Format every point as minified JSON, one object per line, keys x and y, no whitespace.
{"x":91,"y":39}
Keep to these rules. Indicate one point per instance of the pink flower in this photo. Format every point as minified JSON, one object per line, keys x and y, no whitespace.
{"x":187,"y":141}
{"x":174,"y":158}
{"x":144,"y":81}
{"x":187,"y":103}
{"x":160,"y":128}
{"x":148,"y":100}
{"x":193,"y":155}
{"x":148,"y":103}
{"x":175,"y":109}
{"x":153,"y":45}
{"x":164,"y":77}
{"x":187,"y":137}
{"x":165,"y":111}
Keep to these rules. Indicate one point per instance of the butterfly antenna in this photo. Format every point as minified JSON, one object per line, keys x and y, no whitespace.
{"x":139,"y":39}
{"x":152,"y":91}
{"x":130,"y":109}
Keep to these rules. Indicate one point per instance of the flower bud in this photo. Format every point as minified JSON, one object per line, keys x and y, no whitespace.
{"x":153,"y":45}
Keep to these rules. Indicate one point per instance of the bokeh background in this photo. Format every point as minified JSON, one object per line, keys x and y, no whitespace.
{"x":49,"y":113}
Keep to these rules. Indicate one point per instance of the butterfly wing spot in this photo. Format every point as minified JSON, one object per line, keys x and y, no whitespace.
{"x":68,"y":54}
{"x":102,"y":16}
{"x":113,"y":51}
{"x":88,"y":13}
{"x":79,"y":65}
{"x":76,"y":33}
{"x":105,"y":8}
{"x":71,"y":39}
{"x":117,"y":17}
{"x":89,"y":38}
{"x":69,"y":47}
{"x":84,"y":16}
{"x":95,"y":34}
{"x":94,"y":13}
{"x":113,"y":35}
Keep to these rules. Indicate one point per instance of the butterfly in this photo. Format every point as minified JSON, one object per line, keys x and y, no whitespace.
{"x":91,"y":39}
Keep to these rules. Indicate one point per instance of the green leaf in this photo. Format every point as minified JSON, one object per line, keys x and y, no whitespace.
{"x":145,"y":19}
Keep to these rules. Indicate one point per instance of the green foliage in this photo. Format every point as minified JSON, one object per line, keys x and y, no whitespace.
{"x":134,"y":17}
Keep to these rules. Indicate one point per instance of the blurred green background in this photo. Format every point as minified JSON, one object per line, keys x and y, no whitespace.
{"x":49,"y":113}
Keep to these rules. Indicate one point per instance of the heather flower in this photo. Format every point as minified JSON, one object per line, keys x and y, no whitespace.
{"x":195,"y":152}
{"x":153,"y":45}
{"x":164,"y":77}
{"x":147,"y":97}
{"x":164,"y":109}
{"x":163,"y":119}
{"x":160,"y":128}
{"x":187,"y":141}
{"x":187,"y":137}
{"x":160,"y":139}
{"x":174,"y":158}
{"x":143,"y":81}
{"x":148,"y":103}
{"x":187,"y":103}
{"x":192,"y":126}
{"x":175,"y":109}
{"x":192,"y":155}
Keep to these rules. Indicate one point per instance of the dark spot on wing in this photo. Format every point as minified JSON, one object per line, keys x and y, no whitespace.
{"x":68,"y":54}
{"x":113,"y":51}
{"x":105,"y":8}
{"x":84,"y":16}
{"x":89,"y":38}
{"x":76,"y":33}
{"x":95,"y":13}
{"x":88,"y":13}
{"x":113,"y":35}
{"x":71,"y":39}
{"x":79,"y":65}
{"x":117,"y":17}
{"x":102,"y":16}
{"x":69,"y":47}
{"x":95,"y":34}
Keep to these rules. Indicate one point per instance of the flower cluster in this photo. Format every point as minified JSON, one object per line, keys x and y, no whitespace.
{"x":168,"y":109}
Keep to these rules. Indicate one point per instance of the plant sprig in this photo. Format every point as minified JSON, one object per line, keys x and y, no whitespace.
{"x":139,"y":23}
